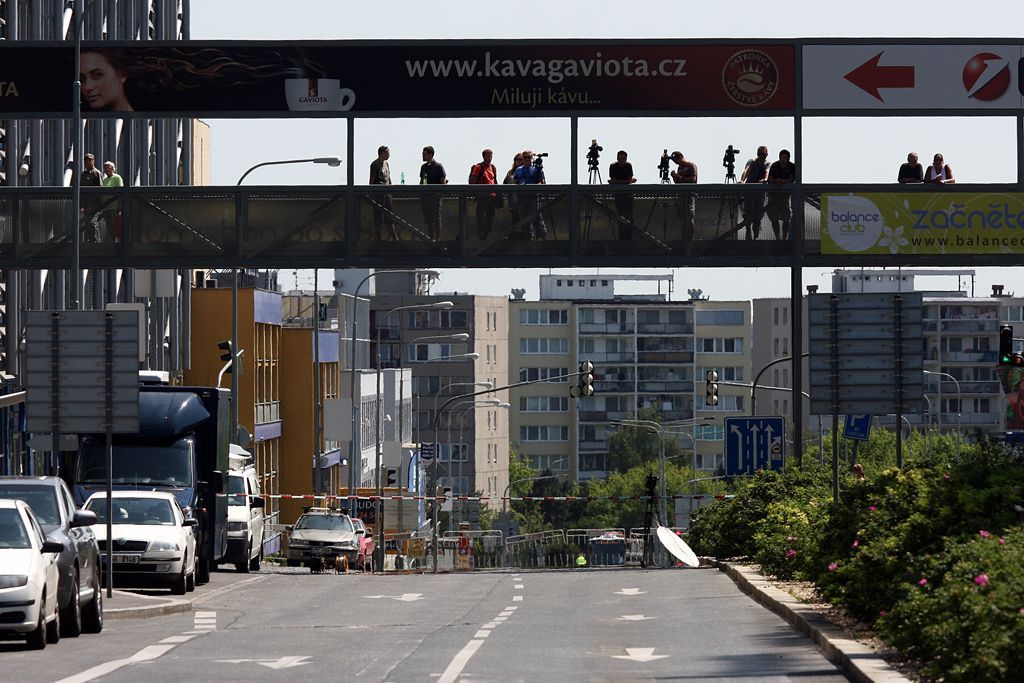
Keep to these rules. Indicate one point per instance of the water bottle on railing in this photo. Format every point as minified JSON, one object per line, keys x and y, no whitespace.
{"x":403,"y":177}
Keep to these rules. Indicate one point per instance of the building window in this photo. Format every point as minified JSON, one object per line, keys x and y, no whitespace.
{"x":544,"y":404}
{"x":555,"y":463}
{"x":709,"y":432}
{"x":721,"y":345}
{"x":543,"y":433}
{"x":542,"y":316}
{"x":543,"y":345}
{"x":775,"y":317}
{"x":556,"y":375}
{"x":720,"y":317}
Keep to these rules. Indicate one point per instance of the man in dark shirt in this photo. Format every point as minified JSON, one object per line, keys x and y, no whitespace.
{"x":912,"y":171}
{"x":686,"y":172}
{"x":432,"y":173}
{"x":621,"y":173}
{"x":91,"y":177}
{"x":383,"y":209}
{"x":780,"y":204}
{"x":755,"y":172}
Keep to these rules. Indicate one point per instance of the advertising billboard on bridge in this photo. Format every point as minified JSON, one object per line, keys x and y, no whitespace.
{"x":923,"y":223}
{"x":360,"y":78}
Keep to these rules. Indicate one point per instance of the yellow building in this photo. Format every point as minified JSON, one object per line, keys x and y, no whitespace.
{"x":259,"y":383}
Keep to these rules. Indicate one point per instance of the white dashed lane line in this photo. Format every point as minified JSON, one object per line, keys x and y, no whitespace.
{"x":455,"y":667}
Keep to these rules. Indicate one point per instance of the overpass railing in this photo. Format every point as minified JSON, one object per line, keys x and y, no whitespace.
{"x":723,"y":225}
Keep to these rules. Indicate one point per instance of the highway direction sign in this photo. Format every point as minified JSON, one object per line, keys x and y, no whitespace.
{"x":753,"y":443}
{"x":857,"y":427}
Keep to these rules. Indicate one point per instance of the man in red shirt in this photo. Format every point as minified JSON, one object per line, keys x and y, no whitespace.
{"x":484,"y":173}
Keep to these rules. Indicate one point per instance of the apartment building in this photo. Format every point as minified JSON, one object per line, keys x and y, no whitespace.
{"x":646,"y":350}
{"x":451,"y":350}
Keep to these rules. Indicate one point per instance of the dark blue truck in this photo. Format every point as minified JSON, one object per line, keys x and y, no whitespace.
{"x":182,"y":446}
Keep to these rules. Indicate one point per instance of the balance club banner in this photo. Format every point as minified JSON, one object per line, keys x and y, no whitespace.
{"x":923,"y":223}
{"x":300,"y":79}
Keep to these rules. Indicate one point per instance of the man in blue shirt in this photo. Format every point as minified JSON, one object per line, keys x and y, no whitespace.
{"x":529,"y":203}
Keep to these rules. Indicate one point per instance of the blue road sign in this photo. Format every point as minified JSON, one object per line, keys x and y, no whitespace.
{"x":857,"y":427}
{"x":427,"y":451}
{"x":753,"y":443}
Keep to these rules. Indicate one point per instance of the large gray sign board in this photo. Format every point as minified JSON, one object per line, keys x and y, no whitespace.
{"x":66,"y":355}
{"x":872,"y":346}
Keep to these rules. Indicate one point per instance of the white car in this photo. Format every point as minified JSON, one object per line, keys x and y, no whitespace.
{"x":28,"y":576}
{"x":153,"y":542}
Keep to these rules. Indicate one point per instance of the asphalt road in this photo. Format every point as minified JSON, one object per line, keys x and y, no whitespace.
{"x":582,"y":625}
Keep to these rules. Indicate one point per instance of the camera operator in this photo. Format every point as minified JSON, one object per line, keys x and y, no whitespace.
{"x":686,"y":172}
{"x":755,"y":172}
{"x":621,"y":173}
{"x":529,"y":203}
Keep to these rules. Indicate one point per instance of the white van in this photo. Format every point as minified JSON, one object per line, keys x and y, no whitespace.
{"x":245,"y":519}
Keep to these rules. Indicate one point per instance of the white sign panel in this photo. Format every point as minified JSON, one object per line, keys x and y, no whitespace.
{"x":912,"y":77}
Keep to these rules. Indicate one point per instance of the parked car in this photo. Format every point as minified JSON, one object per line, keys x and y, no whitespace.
{"x":153,"y":542}
{"x":28,"y":576}
{"x":80,"y":595}
{"x":245,"y":520}
{"x":319,"y":536}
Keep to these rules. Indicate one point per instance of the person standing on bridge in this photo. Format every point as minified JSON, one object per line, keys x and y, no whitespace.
{"x":91,"y":177}
{"x":912,"y":171}
{"x":112,"y":212}
{"x":621,"y":173}
{"x":383,"y":209}
{"x":780,"y":204}
{"x":432,"y":173}
{"x":529,"y":203}
{"x":939,"y":173}
{"x":755,"y":172}
{"x":686,"y":172}
{"x":484,"y":173}
{"x":510,"y":179}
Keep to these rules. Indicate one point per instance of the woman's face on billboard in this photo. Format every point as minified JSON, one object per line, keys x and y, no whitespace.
{"x":102,"y":84}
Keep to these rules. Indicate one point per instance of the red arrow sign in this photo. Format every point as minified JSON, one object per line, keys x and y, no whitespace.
{"x":870,"y":76}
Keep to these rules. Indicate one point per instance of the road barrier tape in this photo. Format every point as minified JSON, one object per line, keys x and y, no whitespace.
{"x":441,"y":499}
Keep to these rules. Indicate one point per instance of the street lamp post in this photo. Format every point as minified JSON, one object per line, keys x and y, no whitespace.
{"x":330,"y":161}
{"x":354,"y":465}
{"x":958,"y":406}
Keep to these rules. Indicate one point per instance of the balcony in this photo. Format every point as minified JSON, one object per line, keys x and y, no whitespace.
{"x":593,"y":446}
{"x":665,"y":328}
{"x":665,"y":386}
{"x":986,"y":326}
{"x":665,"y":356}
{"x":614,"y":387}
{"x":964,"y":356}
{"x":966,"y":387}
{"x":606,"y":357}
{"x":607,"y":328}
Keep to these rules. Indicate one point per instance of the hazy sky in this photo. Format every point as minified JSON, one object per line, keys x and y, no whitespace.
{"x":835,"y":150}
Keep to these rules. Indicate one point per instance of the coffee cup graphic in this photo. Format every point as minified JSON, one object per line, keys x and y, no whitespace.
{"x":318,"y":94}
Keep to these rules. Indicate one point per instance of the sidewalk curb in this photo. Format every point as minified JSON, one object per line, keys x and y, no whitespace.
{"x":858,"y":661}
{"x":163,"y":607}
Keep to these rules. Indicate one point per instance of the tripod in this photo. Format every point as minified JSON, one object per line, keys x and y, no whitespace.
{"x":727,"y":202}
{"x":650,"y":484}
{"x":593,"y":178}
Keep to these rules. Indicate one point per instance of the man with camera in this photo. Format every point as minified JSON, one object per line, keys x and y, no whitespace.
{"x":530,"y":203}
{"x":780,"y":204}
{"x":686,"y":172}
{"x":756,"y":171}
{"x":621,"y":173}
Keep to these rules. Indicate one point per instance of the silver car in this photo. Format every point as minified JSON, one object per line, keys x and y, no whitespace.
{"x":321,"y":535}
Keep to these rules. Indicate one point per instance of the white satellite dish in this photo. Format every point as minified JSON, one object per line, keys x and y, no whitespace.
{"x":677,"y":547}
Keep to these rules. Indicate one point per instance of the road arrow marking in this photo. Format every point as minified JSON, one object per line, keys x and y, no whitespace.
{"x":871,"y":76}
{"x":279,"y":663}
{"x":633,"y":617}
{"x":640,"y":654}
{"x":630,"y":591}
{"x":404,"y":597}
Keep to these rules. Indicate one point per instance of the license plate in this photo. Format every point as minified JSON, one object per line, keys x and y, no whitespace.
{"x":127,"y":559}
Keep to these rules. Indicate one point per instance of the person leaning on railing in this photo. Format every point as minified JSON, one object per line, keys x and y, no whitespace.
{"x":780,"y":204}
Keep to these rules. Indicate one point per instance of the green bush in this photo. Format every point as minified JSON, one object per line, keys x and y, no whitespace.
{"x":963,"y":610}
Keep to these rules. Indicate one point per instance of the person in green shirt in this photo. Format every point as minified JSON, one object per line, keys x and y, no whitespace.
{"x":112,"y":212}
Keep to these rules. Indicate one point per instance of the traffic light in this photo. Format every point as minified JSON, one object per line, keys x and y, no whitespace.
{"x":391,"y":476}
{"x":711,"y":397}
{"x":1006,"y":354}
{"x":585,"y":383}
{"x":229,"y":354}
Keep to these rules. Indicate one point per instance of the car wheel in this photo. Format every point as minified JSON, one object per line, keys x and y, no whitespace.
{"x":92,"y":615}
{"x":254,"y":563}
{"x":53,"y":629}
{"x":243,"y":566}
{"x":190,"y":581}
{"x":37,"y":639}
{"x":179,"y":586}
{"x":71,"y":619}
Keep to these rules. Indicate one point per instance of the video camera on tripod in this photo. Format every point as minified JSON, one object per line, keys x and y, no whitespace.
{"x":593,"y":154}
{"x":729,"y":161}
{"x":663,"y":165}
{"x":538,"y":159}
